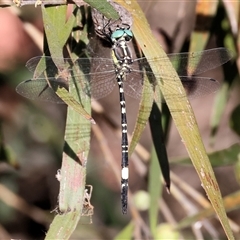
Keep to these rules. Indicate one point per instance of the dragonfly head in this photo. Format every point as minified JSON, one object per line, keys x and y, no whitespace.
{"x":122,"y":35}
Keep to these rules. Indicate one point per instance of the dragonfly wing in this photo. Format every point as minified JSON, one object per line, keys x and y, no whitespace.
{"x":40,"y":90}
{"x":191,"y":63}
{"x":133,"y":84}
{"x":194,"y":63}
{"x":32,"y":63}
{"x":94,"y":76}
{"x":102,"y":76}
{"x":199,"y":86}
{"x":40,"y":65}
{"x":194,"y":86}
{"x":102,"y":84}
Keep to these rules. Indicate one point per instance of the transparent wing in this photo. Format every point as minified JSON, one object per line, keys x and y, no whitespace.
{"x":191,"y":63}
{"x":39,"y":90}
{"x":99,"y":74}
{"x":194,"y":86}
{"x":188,"y":65}
{"x":103,"y":77}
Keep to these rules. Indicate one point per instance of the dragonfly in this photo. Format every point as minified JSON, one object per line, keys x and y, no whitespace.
{"x":99,"y":76}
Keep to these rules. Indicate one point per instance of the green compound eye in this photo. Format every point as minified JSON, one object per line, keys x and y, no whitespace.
{"x":129,"y":33}
{"x":117,"y":34}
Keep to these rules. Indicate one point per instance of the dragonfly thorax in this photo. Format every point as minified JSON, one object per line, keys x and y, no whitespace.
{"x":123,"y":54}
{"x":122,"y":69}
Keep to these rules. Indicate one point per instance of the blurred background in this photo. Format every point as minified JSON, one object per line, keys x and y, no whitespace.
{"x":32,"y":132}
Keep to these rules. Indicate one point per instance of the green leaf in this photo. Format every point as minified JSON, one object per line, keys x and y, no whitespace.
{"x":220,"y":158}
{"x":154,"y":188}
{"x":219,"y":105}
{"x":57,"y":29}
{"x":63,"y":226}
{"x":143,"y":115}
{"x":71,"y":102}
{"x":72,"y":176}
{"x":231,"y":202}
{"x":159,"y":144}
{"x":126,"y":233}
{"x":104,"y":7}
